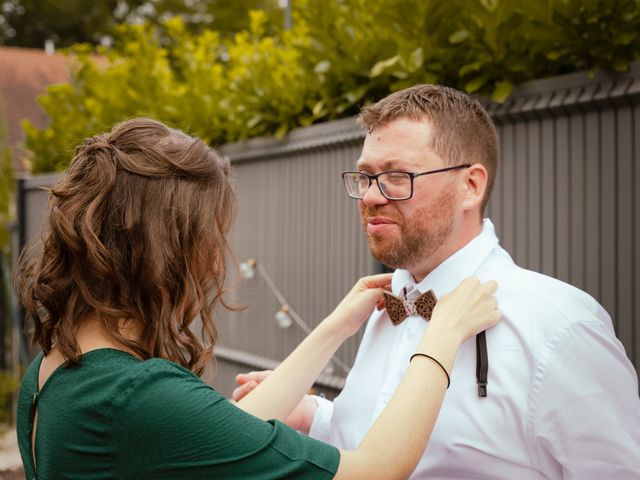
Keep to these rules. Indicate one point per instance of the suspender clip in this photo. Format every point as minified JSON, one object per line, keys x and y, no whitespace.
{"x":482,"y":389}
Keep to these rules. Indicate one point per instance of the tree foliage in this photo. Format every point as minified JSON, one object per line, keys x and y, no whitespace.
{"x":28,"y":23}
{"x":339,"y":55}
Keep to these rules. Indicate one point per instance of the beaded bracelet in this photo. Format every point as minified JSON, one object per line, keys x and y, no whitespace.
{"x":439,"y":364}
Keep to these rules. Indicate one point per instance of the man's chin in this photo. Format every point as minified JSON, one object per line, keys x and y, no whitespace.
{"x":382,"y":252}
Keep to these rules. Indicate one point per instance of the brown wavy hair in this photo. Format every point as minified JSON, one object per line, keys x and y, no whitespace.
{"x":136,"y":231}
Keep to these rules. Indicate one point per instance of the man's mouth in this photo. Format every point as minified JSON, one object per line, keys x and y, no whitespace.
{"x":378,"y":224}
{"x":378,"y":221}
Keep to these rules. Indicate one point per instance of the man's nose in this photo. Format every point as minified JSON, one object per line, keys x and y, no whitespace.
{"x":373,"y":195}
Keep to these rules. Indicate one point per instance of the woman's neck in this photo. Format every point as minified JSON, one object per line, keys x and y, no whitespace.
{"x":92,"y":334}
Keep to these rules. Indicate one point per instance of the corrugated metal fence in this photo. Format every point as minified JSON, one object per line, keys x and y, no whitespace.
{"x":565,"y":204}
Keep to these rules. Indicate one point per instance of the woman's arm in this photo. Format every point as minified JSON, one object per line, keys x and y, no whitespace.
{"x":278,"y":395}
{"x":395,"y":443}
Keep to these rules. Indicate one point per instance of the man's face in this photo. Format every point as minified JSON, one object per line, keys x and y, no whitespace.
{"x":405,"y":234}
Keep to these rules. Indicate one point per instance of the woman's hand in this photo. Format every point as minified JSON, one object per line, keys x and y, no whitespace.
{"x":278,"y":394}
{"x":468,"y":310}
{"x":397,"y":439}
{"x":358,"y":304}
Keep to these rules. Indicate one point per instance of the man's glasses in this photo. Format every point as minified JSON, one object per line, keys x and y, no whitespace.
{"x":394,"y":185}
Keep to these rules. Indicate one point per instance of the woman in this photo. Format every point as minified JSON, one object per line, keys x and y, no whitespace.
{"x":134,"y":250}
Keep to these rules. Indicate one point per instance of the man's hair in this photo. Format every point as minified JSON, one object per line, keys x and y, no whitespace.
{"x":462,"y":131}
{"x":134,"y":231}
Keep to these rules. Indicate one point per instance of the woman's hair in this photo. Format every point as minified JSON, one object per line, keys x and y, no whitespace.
{"x":134,"y":232}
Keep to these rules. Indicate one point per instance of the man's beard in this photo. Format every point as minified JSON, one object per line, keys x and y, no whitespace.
{"x":420,"y":237}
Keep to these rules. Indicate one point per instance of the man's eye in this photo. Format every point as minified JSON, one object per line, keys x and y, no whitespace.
{"x":396,"y":178}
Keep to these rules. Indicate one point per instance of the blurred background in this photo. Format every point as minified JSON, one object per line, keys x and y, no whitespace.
{"x":275,"y":85}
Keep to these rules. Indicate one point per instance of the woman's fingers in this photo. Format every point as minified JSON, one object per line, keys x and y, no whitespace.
{"x":242,"y":391}
{"x":470,"y":308}
{"x":491,"y":286}
{"x":381,"y":280}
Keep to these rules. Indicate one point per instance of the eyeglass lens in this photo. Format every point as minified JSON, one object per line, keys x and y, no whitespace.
{"x":393,"y":185}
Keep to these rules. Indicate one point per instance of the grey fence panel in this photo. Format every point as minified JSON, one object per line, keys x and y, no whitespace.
{"x":564,"y":203}
{"x":580,"y":220}
{"x":576,"y":162}
{"x":624,"y":219}
{"x":592,"y":202}
{"x":634,"y":255}
{"x":33,"y":195}
{"x":296,"y":221}
{"x":533,"y":168}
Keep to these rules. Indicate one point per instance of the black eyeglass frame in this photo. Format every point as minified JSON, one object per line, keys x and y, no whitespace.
{"x":412,"y":175}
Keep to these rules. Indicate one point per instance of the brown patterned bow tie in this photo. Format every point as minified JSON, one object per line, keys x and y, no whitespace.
{"x":399,"y":309}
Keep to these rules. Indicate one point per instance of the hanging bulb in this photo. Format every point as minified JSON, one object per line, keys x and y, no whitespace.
{"x":283,"y":318}
{"x":248,"y":269}
{"x":329,"y":369}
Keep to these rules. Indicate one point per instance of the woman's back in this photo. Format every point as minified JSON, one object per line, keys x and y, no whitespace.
{"x":114,"y":416}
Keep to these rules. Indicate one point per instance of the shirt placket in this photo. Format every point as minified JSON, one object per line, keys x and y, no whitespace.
{"x":405,"y":342}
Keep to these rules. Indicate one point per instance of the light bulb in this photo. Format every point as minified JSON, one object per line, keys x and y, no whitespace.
{"x":329,"y":369}
{"x":248,"y":269}
{"x":283,"y":318}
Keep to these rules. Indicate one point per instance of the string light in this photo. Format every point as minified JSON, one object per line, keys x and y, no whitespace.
{"x":248,"y":269}
{"x":285,"y":316}
{"x":328,"y":369}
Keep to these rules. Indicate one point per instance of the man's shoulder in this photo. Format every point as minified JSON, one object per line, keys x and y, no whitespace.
{"x":548,"y":298}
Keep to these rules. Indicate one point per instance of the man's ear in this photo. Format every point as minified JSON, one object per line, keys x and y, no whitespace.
{"x":475,"y":186}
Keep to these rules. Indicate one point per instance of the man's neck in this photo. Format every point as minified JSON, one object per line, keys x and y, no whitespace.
{"x":455,"y":242}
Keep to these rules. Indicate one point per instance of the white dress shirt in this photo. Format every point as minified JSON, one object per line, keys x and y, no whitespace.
{"x":562,"y":395}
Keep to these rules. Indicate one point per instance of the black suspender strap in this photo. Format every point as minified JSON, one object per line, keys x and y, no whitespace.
{"x":482,"y":363}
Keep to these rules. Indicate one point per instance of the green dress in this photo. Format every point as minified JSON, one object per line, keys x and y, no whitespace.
{"x":116,"y":417}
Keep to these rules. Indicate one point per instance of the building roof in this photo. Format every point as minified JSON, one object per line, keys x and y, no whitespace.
{"x":24,"y":75}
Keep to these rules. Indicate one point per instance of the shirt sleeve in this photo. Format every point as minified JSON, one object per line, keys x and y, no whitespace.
{"x":172,"y":425}
{"x":585,"y":406}
{"x":321,"y":425}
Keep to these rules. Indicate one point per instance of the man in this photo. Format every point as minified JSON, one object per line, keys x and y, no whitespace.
{"x":561,"y":398}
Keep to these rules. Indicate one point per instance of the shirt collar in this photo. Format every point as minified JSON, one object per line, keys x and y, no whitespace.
{"x":448,"y":275}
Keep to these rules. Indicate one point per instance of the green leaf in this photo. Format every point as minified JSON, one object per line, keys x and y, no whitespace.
{"x":353,"y":96}
{"x":625,"y":38}
{"x":554,"y":55}
{"x":322,"y":67}
{"x":318,"y":109}
{"x":476,"y":84}
{"x":400,"y":74}
{"x":502,"y":91}
{"x":429,"y":77}
{"x":417,"y":58}
{"x":281,"y":131}
{"x":384,"y":66}
{"x":255,"y":120}
{"x":342,"y":107}
{"x":400,"y":84}
{"x":470,"y":67}
{"x":458,"y":36}
{"x":620,"y":65}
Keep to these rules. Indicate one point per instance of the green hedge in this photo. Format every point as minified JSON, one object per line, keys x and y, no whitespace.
{"x":8,"y":387}
{"x":339,"y":55}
